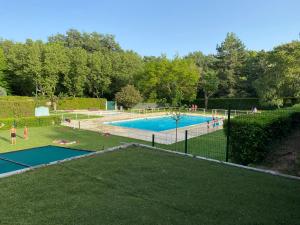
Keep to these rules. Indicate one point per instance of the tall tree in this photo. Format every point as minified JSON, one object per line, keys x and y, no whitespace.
{"x":208,"y":79}
{"x":209,"y":83}
{"x":231,"y":55}
{"x":3,"y":82}
{"x":24,"y":67}
{"x":254,"y":67}
{"x":55,"y":64}
{"x":170,"y":81}
{"x":125,"y":66}
{"x":282,"y":76}
{"x":75,"y":79}
{"x":91,"y":42}
{"x":98,"y":80}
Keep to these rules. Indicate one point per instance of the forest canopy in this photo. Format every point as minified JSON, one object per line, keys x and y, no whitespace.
{"x":95,"y":65}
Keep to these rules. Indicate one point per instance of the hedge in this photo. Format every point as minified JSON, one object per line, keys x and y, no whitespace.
{"x":6,"y":123}
{"x":19,"y":108}
{"x":81,"y":103}
{"x":241,"y":103}
{"x":22,"y":106}
{"x":253,"y":136}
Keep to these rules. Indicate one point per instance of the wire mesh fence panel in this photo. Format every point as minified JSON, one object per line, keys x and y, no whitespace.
{"x":210,"y":145}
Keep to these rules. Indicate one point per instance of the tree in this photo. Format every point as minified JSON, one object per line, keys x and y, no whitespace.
{"x":282,"y":76}
{"x":254,"y":67}
{"x":209,"y":83}
{"x":231,"y":57}
{"x":90,"y":42}
{"x":75,"y":79}
{"x":172,"y":81}
{"x":125,"y":67}
{"x":181,"y":81}
{"x":3,"y":82}
{"x":208,"y":79}
{"x":24,"y":67}
{"x":55,"y":64}
{"x":128,"y":96}
{"x":98,"y":80}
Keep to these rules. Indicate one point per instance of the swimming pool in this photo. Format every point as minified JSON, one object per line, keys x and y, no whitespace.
{"x":161,"y":123}
{"x":23,"y":159}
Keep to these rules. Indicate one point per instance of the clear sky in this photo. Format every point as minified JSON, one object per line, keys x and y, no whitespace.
{"x":152,"y":27}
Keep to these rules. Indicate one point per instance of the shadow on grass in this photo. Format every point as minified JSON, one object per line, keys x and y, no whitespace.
{"x":5,"y":139}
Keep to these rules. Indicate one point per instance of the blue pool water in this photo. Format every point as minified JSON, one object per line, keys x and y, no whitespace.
{"x":161,"y":123}
{"x":35,"y":156}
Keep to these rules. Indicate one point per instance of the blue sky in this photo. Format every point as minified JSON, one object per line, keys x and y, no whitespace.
{"x":152,"y":27}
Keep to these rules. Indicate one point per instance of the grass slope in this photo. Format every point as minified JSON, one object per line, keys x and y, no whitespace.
{"x":138,"y":186}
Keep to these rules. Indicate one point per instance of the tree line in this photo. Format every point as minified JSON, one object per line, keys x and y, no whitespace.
{"x":94,"y":65}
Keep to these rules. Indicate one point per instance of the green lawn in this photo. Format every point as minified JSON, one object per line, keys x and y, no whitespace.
{"x":211,"y":145}
{"x":138,"y":186}
{"x":41,"y":136}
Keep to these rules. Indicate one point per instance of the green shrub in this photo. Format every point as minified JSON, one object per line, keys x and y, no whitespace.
{"x":21,"y":108}
{"x":6,"y":123}
{"x":128,"y":96}
{"x":81,"y":103}
{"x":253,"y":136}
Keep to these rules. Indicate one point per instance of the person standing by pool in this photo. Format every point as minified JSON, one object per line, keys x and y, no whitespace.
{"x":25,"y":132}
{"x":13,"y":135}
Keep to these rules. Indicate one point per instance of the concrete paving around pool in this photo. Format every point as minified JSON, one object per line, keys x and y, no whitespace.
{"x":162,"y":137}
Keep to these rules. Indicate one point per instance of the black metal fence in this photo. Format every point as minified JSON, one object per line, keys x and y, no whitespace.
{"x":267,"y":139}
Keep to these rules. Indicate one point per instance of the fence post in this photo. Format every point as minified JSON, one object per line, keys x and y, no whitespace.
{"x":186,"y":142}
{"x":228,"y":133}
{"x":153,"y":137}
{"x":79,"y":124}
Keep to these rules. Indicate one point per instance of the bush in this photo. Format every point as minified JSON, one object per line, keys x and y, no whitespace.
{"x":6,"y":123}
{"x":253,"y":136}
{"x":15,"y":109}
{"x":81,"y":103}
{"x":128,"y":96}
{"x":242,"y":103}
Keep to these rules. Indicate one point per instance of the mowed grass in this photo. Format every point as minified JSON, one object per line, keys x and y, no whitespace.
{"x":139,"y":186}
{"x":211,"y":145}
{"x":41,"y":136}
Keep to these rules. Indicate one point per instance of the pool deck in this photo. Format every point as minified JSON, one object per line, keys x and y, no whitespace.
{"x":162,"y":137}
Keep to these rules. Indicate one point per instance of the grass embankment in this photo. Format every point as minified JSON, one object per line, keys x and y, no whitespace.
{"x":138,"y":186}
